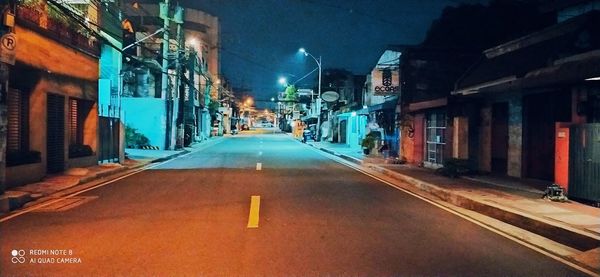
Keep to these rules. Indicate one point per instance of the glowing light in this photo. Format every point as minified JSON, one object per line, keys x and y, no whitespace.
{"x":282,"y":80}
{"x":192,"y":42}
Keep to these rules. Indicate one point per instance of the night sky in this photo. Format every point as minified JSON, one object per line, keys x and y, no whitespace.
{"x":260,"y":38}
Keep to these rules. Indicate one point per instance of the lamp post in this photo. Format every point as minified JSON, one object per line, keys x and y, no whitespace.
{"x":302,"y":50}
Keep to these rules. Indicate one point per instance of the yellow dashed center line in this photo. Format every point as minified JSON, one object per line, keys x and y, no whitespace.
{"x":254,"y":210}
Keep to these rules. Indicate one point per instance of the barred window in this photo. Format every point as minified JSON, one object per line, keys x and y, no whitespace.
{"x":18,"y":121}
{"x":78,"y":112}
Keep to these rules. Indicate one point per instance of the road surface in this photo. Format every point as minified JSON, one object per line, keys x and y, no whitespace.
{"x":190,"y":217}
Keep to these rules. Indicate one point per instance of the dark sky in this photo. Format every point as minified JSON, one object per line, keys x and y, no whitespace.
{"x":260,"y":38}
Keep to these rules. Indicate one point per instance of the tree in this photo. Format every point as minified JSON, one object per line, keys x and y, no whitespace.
{"x":477,"y":27}
{"x":213,"y":107}
{"x":291,"y":93}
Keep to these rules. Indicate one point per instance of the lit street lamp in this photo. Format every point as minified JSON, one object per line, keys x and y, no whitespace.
{"x":302,"y":50}
{"x":282,"y":81}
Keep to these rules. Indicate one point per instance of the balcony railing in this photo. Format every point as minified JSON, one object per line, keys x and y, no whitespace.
{"x":37,"y":18}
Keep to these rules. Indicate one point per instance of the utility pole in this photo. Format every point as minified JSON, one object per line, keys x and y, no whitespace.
{"x":191,"y":65}
{"x":319,"y":104}
{"x":7,"y":49}
{"x":179,"y":85}
{"x":164,"y":14}
{"x":4,"y":71}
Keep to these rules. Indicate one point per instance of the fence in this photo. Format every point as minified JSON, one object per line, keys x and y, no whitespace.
{"x":110,"y":131}
{"x":584,"y":162}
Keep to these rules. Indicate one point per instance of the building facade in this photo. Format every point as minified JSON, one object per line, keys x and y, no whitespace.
{"x":381,"y":98}
{"x":428,"y":76}
{"x":52,"y":94}
{"x":529,"y":107}
{"x":192,"y":77}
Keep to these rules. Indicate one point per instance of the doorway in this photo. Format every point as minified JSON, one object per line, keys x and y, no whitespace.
{"x":55,"y":130}
{"x":499,"y":143}
{"x":541,"y":112}
{"x":343,"y":126}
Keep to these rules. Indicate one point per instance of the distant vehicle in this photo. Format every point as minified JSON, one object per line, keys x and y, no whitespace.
{"x":264,"y":124}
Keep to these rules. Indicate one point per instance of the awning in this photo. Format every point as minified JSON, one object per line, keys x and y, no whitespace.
{"x":354,"y":113}
{"x":565,"y":73}
{"x":308,"y":117}
{"x":387,"y":105}
{"x":435,"y":103}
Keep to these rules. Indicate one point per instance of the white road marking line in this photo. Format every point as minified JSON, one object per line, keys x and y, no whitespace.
{"x":258,"y":166}
{"x":481,"y":224}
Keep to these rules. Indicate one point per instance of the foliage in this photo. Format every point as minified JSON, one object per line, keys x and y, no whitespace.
{"x":456,"y":167}
{"x":80,"y":150}
{"x":335,"y":78}
{"x":57,"y":16}
{"x":369,"y":141}
{"x":291,"y":93}
{"x":477,"y":27}
{"x":213,"y":107}
{"x":14,"y":158}
{"x":133,"y":139}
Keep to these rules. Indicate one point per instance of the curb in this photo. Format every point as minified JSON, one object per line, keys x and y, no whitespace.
{"x":175,"y":155}
{"x":562,"y":234}
{"x":10,"y":203}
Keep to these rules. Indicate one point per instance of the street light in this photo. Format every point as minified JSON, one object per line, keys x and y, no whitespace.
{"x":282,"y":81}
{"x":302,"y":50}
{"x":249,"y":101}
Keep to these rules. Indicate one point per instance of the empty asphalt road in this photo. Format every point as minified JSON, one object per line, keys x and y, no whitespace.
{"x":190,"y":217}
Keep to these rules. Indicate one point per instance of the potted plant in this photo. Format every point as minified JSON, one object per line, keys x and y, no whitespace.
{"x":367,"y":144}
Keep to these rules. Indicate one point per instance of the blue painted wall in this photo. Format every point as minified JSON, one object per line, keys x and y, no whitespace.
{"x":148,"y":116}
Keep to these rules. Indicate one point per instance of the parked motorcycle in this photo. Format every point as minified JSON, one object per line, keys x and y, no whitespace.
{"x":308,"y":134}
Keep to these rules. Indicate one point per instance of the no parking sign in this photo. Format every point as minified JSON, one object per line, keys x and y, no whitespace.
{"x":8,"y":44}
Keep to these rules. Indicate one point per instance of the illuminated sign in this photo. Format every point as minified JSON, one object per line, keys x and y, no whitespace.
{"x":386,"y":82}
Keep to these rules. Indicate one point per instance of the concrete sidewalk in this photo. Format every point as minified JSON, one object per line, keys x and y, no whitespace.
{"x":509,"y":200}
{"x":18,"y":197}
{"x":21,"y":196}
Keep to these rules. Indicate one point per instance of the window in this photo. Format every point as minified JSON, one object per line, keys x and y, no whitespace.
{"x":18,"y":121}
{"x":78,"y":113}
{"x":435,"y":136}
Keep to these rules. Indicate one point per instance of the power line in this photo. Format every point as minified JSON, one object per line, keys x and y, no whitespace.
{"x":242,"y":57}
{"x":306,"y":75}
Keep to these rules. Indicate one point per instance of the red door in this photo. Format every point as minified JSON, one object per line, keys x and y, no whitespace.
{"x":561,"y":160}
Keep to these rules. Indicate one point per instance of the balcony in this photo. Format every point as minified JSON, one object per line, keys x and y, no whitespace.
{"x":36,"y":18}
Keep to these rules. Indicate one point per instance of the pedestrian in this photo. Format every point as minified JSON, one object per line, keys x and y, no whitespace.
{"x":301,"y":127}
